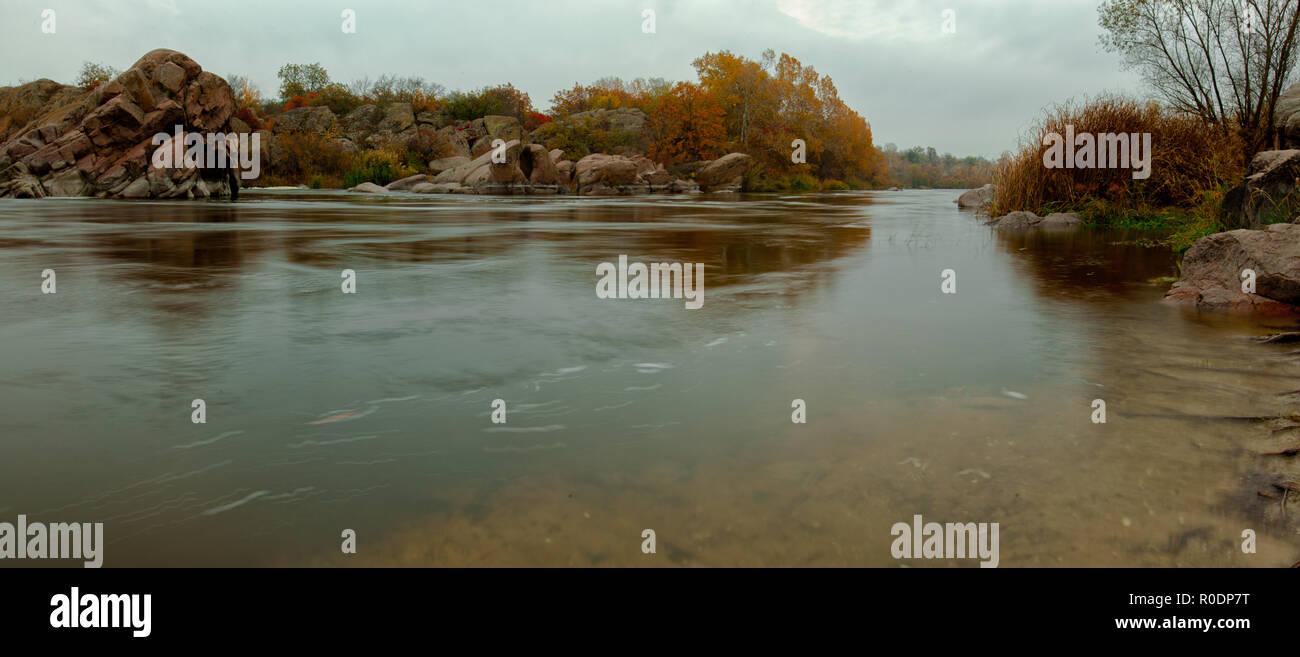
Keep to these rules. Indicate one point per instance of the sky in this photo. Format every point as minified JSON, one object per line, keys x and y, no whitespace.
{"x":973,"y":91}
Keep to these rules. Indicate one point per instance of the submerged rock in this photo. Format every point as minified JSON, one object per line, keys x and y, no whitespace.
{"x":368,"y":188}
{"x":1021,"y":220}
{"x":1061,"y":221}
{"x":1018,"y":219}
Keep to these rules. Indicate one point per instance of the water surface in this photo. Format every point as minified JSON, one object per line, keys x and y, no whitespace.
{"x":371,"y":411}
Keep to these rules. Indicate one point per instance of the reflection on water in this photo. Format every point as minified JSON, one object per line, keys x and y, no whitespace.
{"x":371,"y":411}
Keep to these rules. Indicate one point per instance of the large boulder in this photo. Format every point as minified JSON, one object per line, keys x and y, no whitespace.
{"x":442,"y":164}
{"x":361,"y":122}
{"x":651,"y":173}
{"x":397,"y":117}
{"x":608,"y":170}
{"x":407,"y":184}
{"x":482,"y":170}
{"x":316,"y":120}
{"x":724,"y":173}
{"x":535,"y":163}
{"x":976,"y":199}
{"x":454,"y":141}
{"x":1286,"y":116}
{"x":1214,"y":271}
{"x":100,"y":141}
{"x":564,"y":172}
{"x":1267,"y":195}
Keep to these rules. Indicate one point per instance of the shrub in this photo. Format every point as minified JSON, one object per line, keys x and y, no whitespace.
{"x":535,"y":120}
{"x":581,"y":137}
{"x":1188,"y":159}
{"x":304,"y":155}
{"x":338,"y":98}
{"x":377,"y":166}
{"x":502,"y":100}
{"x":247,"y":116}
{"x":296,"y":102}
{"x":93,"y":74}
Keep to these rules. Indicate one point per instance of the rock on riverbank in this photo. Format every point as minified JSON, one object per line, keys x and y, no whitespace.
{"x":1027,"y":220}
{"x":1213,"y":271}
{"x":976,"y":199}
{"x":531,"y":169}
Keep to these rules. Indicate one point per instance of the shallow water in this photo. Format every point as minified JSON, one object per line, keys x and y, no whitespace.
{"x":371,"y":411}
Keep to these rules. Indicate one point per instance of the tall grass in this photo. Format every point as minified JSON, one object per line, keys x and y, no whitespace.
{"x":376,"y":166}
{"x":1191,"y":165}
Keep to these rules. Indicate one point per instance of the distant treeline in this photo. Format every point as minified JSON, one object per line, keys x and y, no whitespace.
{"x":924,"y":167}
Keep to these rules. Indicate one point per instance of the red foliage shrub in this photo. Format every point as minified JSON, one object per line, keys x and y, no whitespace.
{"x":247,"y":116}
{"x":535,"y":120}
{"x":299,"y":101}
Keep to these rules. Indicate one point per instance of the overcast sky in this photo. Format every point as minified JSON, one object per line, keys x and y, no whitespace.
{"x":972,"y":92}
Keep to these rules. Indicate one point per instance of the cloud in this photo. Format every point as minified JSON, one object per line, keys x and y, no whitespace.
{"x":863,"y":19}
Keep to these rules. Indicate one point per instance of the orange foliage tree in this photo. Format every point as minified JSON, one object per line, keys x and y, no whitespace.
{"x":687,"y":125}
{"x":772,"y":102}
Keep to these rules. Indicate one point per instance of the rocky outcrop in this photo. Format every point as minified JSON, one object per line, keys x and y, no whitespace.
{"x":315,"y":120}
{"x":976,"y":199}
{"x":531,"y":169}
{"x":100,"y":142}
{"x":599,"y":174}
{"x":21,"y":104}
{"x":1267,"y":195}
{"x":1215,"y":271}
{"x":442,"y":164}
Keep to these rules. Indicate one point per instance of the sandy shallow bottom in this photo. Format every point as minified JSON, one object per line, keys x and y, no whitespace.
{"x":1147,"y":489}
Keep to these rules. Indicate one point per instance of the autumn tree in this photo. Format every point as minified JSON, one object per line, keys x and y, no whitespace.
{"x":302,"y":79}
{"x":687,"y":125}
{"x":610,"y":93}
{"x":247,"y":95}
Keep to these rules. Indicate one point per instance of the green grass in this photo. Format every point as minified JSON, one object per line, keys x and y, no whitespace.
{"x":1178,"y":227}
{"x":798,"y":182}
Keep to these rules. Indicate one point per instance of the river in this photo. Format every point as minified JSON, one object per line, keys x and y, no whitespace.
{"x":372,"y":411}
